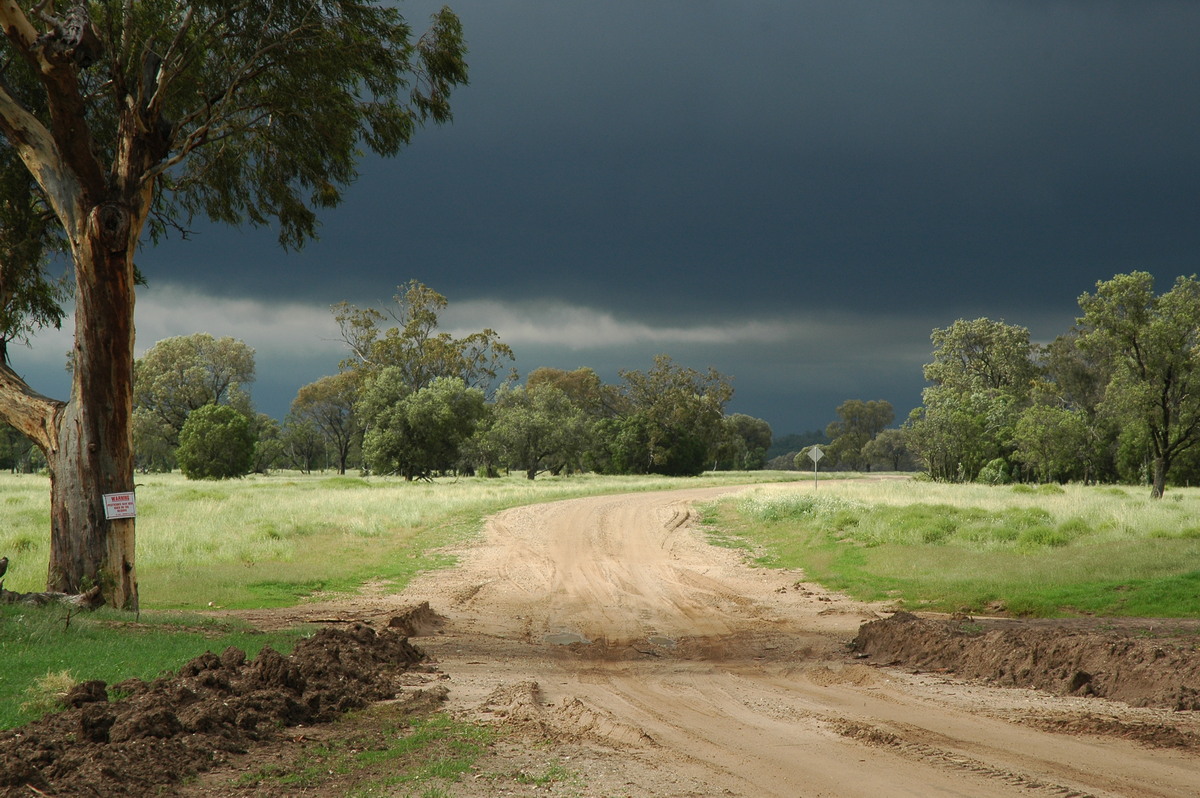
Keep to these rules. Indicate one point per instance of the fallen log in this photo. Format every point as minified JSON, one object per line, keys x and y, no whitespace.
{"x":87,"y":601}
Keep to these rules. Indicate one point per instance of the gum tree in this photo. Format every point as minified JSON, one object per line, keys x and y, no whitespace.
{"x":184,"y":373}
{"x":981,"y":375}
{"x":328,"y":404}
{"x":141,"y":115}
{"x":414,"y":345}
{"x":1153,"y":343}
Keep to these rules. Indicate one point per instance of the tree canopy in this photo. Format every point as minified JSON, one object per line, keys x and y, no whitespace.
{"x":982,"y":374}
{"x":1153,"y":345}
{"x":328,"y":404}
{"x":181,"y":374}
{"x":414,"y":346}
{"x":857,"y":425}
{"x":216,"y":443}
{"x":137,"y":117}
{"x":416,"y":433}
{"x":672,"y":418}
{"x":538,"y":426}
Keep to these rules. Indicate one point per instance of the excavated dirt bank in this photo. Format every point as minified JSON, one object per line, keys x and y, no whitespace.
{"x":174,"y":727}
{"x":1123,"y":663}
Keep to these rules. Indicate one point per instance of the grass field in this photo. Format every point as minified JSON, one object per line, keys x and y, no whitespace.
{"x":1050,"y":551}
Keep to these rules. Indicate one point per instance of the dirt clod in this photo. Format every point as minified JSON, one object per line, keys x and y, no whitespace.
{"x":173,"y":727}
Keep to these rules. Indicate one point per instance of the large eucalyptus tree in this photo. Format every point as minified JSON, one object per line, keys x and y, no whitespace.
{"x":134,"y":115}
{"x":1152,"y":344}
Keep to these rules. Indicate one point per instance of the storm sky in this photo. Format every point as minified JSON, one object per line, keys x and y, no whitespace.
{"x":793,"y":192}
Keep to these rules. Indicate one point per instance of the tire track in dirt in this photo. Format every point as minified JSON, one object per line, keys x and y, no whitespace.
{"x":706,"y":677}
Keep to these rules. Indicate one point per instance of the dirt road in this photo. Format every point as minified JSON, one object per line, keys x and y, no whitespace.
{"x":658,"y":665}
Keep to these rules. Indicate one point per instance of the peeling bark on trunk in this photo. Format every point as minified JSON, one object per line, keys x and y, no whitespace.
{"x":94,"y":455}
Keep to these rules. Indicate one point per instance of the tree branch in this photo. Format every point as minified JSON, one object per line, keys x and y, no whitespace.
{"x":34,"y":415}
{"x":38,"y":149}
{"x":17,"y":26}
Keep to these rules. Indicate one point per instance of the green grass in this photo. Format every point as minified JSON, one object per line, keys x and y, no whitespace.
{"x":1063,"y":551}
{"x":38,"y":642}
{"x":419,"y":756}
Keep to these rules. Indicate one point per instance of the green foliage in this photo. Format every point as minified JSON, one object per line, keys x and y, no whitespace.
{"x":676,"y":416}
{"x":981,"y":356}
{"x":18,"y":453}
{"x":744,"y":443}
{"x":981,"y":372}
{"x":622,"y":446}
{"x":296,"y":91}
{"x":303,"y":444}
{"x":582,"y":386}
{"x":1053,"y":442}
{"x":417,"y":433}
{"x":996,"y":472}
{"x":889,"y":451}
{"x":30,"y":298}
{"x":181,"y":374}
{"x":795,"y":441}
{"x":268,"y":444}
{"x":1152,"y":345}
{"x":1075,"y":382}
{"x":216,"y":443}
{"x":951,"y":434}
{"x":413,"y":348}
{"x":859,"y":422}
{"x":538,"y":426}
{"x":328,"y":406}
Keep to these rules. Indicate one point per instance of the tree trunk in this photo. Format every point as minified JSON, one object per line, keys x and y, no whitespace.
{"x":94,"y":453}
{"x":1158,"y":484}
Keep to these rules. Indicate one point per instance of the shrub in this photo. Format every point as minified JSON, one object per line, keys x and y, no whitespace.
{"x":994,"y":473}
{"x":215,"y":443}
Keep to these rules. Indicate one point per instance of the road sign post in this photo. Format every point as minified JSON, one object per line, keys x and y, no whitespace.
{"x":815,"y":454}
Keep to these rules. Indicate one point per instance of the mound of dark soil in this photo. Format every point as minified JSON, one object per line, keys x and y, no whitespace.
{"x":1117,"y":664}
{"x":174,"y":727}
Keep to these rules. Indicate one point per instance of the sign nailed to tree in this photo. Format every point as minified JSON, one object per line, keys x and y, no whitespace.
{"x":119,"y":505}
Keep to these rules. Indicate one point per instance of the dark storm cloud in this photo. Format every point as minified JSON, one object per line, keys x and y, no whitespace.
{"x":675,"y":161}
{"x":848,"y":151}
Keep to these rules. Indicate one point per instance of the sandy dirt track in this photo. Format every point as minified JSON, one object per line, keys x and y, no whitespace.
{"x":696,"y":675}
{"x":693,"y":674}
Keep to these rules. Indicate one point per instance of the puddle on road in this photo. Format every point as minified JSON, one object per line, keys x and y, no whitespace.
{"x":663,"y":642}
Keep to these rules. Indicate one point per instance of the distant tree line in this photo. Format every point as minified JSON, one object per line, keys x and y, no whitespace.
{"x":1114,"y":399}
{"x":415,"y":401}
